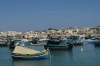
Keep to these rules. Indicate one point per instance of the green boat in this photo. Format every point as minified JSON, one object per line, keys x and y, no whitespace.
{"x":58,"y":45}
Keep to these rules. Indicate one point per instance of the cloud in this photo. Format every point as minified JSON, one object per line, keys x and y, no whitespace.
{"x":60,"y":12}
{"x":65,"y":12}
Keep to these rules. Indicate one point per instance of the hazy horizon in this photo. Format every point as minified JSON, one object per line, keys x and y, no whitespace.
{"x":30,"y":15}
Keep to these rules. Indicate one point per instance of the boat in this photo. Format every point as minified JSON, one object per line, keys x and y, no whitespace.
{"x":39,"y":44}
{"x":91,"y":40}
{"x":25,"y":53}
{"x":97,"y":43}
{"x":36,"y":42}
{"x":16,"y":43}
{"x":57,"y":45}
{"x":77,"y":41}
{"x":13,"y":43}
{"x":3,"y":43}
{"x":42,"y":39}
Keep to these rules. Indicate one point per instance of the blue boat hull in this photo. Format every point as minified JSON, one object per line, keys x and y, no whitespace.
{"x":31,"y":57}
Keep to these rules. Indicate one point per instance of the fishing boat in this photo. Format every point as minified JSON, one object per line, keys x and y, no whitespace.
{"x":76,"y":41}
{"x":36,"y":42}
{"x":25,"y":53}
{"x":91,"y":40}
{"x":97,"y":43}
{"x":57,"y":45}
{"x":39,"y":44}
{"x":14,"y":43}
{"x":3,"y":43}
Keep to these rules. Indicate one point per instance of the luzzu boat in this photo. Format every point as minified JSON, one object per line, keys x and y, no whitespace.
{"x":29,"y":54}
{"x":57,"y":45}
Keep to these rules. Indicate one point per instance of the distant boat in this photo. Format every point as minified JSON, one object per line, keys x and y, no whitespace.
{"x":29,"y":54}
{"x":36,"y":42}
{"x":3,"y":43}
{"x":39,"y":44}
{"x":43,"y":39}
{"x":97,"y":43}
{"x":77,"y":41}
{"x":57,"y":45}
{"x":91,"y":40}
{"x":17,"y":42}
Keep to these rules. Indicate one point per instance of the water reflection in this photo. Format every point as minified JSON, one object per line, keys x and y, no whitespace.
{"x":75,"y":57}
{"x":97,"y":46}
{"x":5,"y":58}
{"x":63,"y":54}
{"x":79,"y":48}
{"x":43,"y":62}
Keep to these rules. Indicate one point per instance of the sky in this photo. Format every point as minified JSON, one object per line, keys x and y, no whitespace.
{"x":32,"y":15}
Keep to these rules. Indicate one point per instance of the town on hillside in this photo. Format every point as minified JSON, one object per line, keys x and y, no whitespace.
{"x":72,"y":31}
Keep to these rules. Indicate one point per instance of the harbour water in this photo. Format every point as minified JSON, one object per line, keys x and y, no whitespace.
{"x":86,"y":55}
